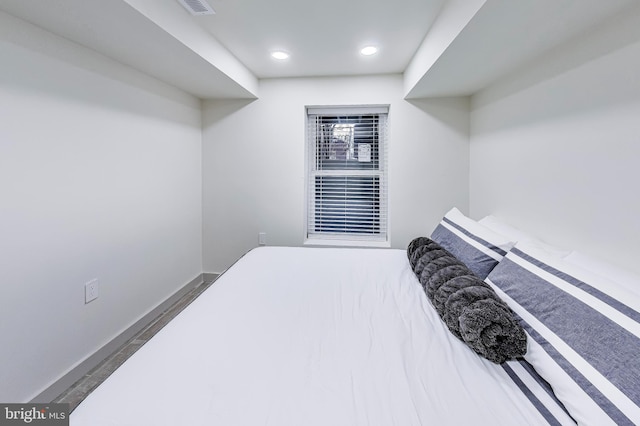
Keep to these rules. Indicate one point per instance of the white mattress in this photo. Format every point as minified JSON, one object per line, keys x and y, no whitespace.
{"x":300,"y":336}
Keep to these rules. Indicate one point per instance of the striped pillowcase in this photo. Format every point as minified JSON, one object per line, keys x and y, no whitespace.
{"x":584,"y":333}
{"x":475,"y":245}
{"x":538,"y":392}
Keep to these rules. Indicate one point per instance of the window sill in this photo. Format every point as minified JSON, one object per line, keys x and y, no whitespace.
{"x":345,"y":243}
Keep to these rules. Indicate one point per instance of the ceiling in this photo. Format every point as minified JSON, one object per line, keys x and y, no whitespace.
{"x":443,"y":47}
{"x":323,"y":37}
{"x":506,"y":35}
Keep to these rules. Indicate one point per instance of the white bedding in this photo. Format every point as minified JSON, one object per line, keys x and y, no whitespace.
{"x":301,"y":336}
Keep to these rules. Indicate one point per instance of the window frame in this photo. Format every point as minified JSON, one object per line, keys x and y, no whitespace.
{"x":314,"y":237}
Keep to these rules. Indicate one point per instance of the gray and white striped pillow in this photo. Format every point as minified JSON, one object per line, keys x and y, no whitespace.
{"x":475,"y":245}
{"x":538,"y":392}
{"x":584,"y":333}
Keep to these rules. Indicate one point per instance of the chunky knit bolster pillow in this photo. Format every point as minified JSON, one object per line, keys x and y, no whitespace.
{"x":469,"y":307}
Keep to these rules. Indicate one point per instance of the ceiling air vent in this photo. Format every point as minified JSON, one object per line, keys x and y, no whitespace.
{"x":197,"y":7}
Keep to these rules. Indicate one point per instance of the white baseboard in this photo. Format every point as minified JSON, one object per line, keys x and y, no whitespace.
{"x":101,"y":354}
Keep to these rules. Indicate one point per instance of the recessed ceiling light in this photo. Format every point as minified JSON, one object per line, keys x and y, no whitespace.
{"x":369,"y":50}
{"x":279,"y":54}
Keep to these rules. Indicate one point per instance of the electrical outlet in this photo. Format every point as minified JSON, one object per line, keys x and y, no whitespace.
{"x":262,"y":238}
{"x":91,"y":290}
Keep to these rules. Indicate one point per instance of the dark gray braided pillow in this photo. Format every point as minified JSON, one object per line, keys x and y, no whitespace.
{"x":469,"y":307}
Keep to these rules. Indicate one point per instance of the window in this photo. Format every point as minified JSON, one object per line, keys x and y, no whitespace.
{"x":347,"y":174}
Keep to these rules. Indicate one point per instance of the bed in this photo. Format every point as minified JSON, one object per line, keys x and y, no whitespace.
{"x":339,"y":336}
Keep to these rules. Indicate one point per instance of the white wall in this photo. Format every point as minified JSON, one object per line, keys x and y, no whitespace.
{"x":254,"y":162}
{"x":100,"y":177}
{"x":452,"y":20}
{"x":555,"y":149}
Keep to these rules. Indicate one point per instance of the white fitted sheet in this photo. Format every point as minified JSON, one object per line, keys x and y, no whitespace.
{"x":308,"y":336}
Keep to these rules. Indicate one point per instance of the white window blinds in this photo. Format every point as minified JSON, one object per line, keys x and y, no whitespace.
{"x":347,"y":173}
